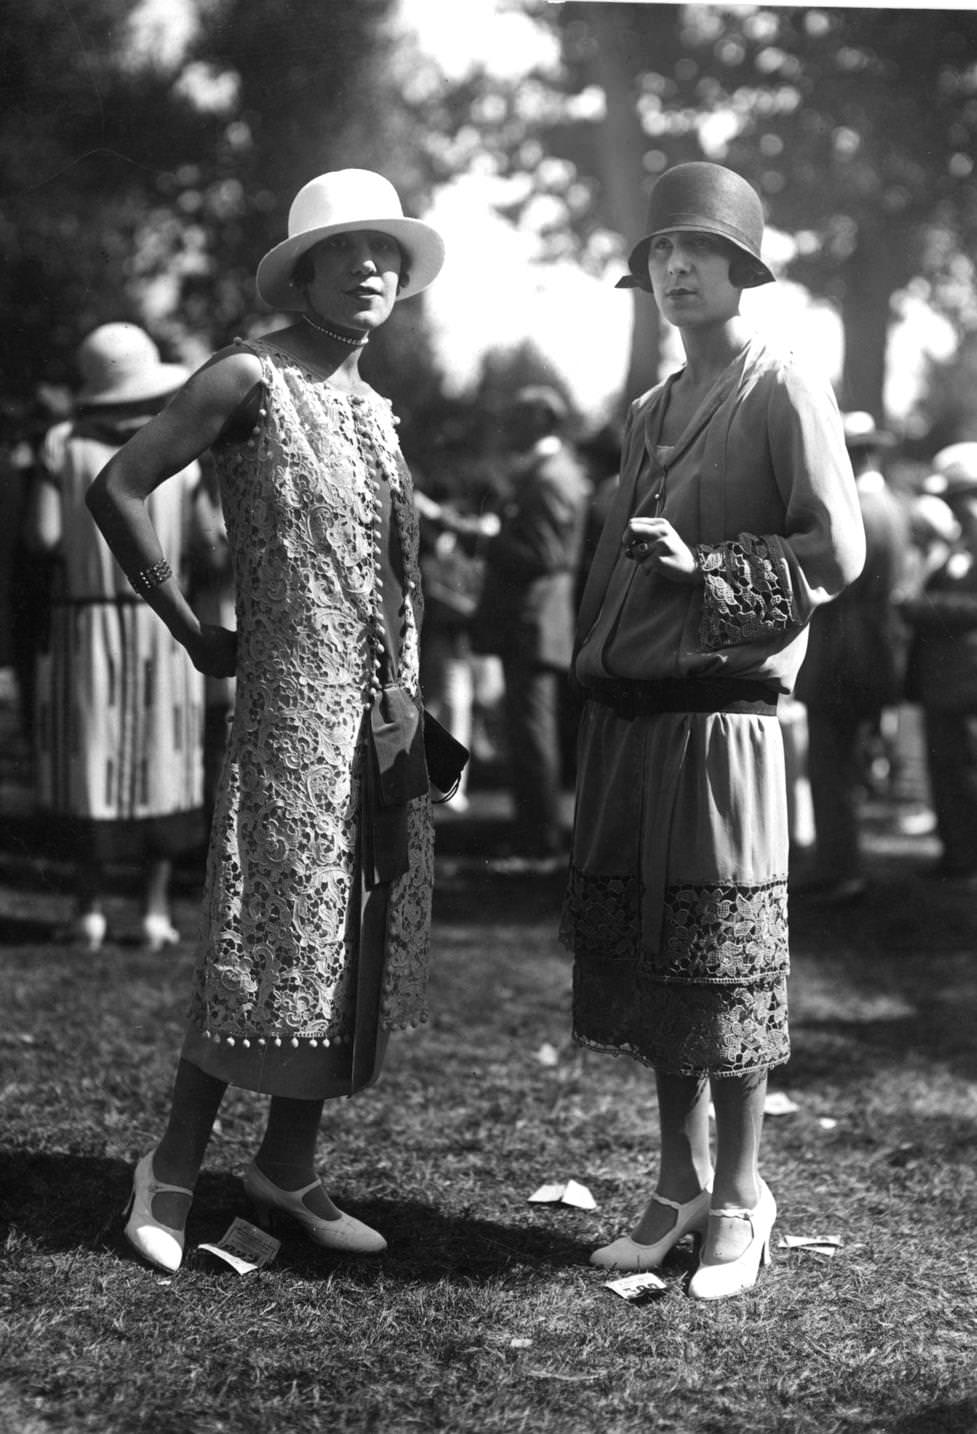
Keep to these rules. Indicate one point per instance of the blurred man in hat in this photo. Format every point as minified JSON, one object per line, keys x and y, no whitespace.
{"x":527,"y":612}
{"x":854,"y":670}
{"x":942,"y":674}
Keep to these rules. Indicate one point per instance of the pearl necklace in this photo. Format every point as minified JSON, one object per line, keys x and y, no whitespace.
{"x":331,"y":333}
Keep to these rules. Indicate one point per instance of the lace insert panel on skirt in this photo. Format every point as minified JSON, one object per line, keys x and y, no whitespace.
{"x":712,"y":1001}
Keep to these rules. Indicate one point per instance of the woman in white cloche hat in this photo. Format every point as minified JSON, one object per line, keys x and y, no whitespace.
{"x":320,"y":870}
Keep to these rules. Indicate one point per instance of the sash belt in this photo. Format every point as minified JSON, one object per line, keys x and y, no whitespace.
{"x":630,"y":699}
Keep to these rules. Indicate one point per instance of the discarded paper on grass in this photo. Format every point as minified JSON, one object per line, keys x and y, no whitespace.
{"x":637,"y":1288}
{"x":777,"y":1102}
{"x":244,"y":1247}
{"x":569,"y":1192}
{"x":820,"y":1244}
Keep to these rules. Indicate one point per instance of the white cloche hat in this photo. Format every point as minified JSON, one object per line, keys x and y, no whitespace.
{"x":343,"y":200}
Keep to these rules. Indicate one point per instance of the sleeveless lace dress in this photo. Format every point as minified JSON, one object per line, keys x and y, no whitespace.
{"x":301,"y":968}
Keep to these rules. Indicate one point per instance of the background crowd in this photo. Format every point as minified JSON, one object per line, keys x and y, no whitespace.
{"x":148,"y":155}
{"x":885,"y":706}
{"x":854,"y":126}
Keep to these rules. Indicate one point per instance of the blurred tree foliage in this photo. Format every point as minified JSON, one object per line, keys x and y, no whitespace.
{"x":313,"y":91}
{"x":858,"y":127}
{"x":144,"y":183}
{"x":83,"y":145}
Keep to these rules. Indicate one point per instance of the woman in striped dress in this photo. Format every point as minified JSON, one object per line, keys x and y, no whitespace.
{"x":119,"y":707}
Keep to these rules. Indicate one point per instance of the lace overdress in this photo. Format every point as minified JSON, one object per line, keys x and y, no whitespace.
{"x":676,"y":906}
{"x":302,"y":969}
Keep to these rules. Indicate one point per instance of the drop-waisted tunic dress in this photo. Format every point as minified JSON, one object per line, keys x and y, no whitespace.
{"x":676,"y":906}
{"x":119,"y":714}
{"x":306,"y":961}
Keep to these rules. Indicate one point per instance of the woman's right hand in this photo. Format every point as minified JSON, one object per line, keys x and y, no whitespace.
{"x":214,"y":651}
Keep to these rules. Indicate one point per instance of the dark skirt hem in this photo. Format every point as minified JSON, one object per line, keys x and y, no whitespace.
{"x":125,"y":840}
{"x":305,"y":1073}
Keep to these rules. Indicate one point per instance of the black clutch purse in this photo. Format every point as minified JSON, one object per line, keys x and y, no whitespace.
{"x":446,"y":758}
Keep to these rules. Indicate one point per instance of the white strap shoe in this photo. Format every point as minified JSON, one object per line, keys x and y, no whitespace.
{"x":162,"y":1245}
{"x":158,"y":931}
{"x":87,"y":929}
{"x":346,"y":1234}
{"x":627,"y":1254}
{"x":733,"y":1277}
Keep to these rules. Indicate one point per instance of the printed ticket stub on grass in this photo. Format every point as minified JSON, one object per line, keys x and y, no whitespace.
{"x":645,"y":1286}
{"x":244,"y":1247}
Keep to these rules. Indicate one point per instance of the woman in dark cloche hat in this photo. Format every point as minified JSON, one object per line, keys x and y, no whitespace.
{"x":735,"y":519}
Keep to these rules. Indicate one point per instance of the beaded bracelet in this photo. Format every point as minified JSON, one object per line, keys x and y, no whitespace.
{"x":154,"y":577}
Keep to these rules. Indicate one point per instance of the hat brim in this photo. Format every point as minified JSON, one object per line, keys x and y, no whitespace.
{"x":953,"y":488}
{"x":164,"y":378}
{"x":423,"y":246}
{"x":638,"y":258}
{"x":875,"y":438}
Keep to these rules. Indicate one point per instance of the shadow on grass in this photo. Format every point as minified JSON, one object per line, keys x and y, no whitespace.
{"x":899,"y":912}
{"x":958,"y":1416}
{"x":907,"y":953}
{"x":477,"y":898}
{"x":41,"y":937}
{"x":65,"y":1202}
{"x":820,"y":1049}
{"x":25,"y":931}
{"x":37,"y":861}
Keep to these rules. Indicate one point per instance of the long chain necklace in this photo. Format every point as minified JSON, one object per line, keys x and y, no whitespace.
{"x":331,"y":333}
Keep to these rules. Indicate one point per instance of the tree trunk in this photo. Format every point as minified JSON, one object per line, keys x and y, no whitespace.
{"x":622,"y":144}
{"x":870,"y":276}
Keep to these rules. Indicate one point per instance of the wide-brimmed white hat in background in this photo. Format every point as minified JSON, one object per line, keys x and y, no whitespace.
{"x":342,"y":200}
{"x":861,"y":431}
{"x":954,"y":471}
{"x":119,"y":363}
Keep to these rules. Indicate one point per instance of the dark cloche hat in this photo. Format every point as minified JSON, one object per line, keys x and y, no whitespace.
{"x":707,"y":199}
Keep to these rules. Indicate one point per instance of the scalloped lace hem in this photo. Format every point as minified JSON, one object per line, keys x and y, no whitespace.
{"x":712,"y":1073}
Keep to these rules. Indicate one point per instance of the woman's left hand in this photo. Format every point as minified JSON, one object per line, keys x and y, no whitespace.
{"x":213,"y":651}
{"x":657,"y":548}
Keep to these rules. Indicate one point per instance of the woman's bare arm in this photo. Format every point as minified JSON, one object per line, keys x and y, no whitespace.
{"x":42,"y":524}
{"x":191,"y":422}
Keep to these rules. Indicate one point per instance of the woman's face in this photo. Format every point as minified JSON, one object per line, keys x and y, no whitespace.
{"x":355,"y":276}
{"x":689,"y":275}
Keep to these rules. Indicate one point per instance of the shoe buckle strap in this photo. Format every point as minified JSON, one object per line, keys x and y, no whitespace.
{"x":664,"y":1200}
{"x":156,"y":1187}
{"x":676,"y":1204}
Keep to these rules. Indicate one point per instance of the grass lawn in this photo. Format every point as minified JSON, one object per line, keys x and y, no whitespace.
{"x":484,"y":1315}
